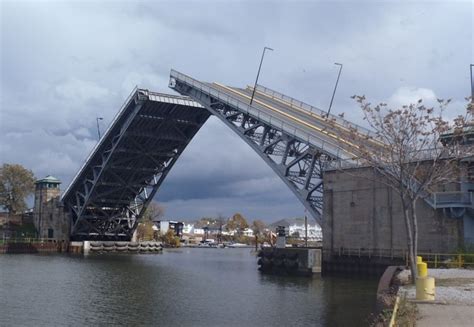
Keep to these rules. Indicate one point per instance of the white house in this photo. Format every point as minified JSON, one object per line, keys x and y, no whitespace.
{"x":248,"y":232}
{"x":314,"y":231}
{"x":296,"y":228}
{"x":188,"y":228}
{"x":198,"y":231}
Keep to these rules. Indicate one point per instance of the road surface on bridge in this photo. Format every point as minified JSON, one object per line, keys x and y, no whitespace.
{"x":330,"y":131}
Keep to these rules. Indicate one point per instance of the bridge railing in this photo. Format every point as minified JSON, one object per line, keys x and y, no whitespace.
{"x":97,"y":145}
{"x":315,"y":110}
{"x":331,"y":148}
{"x":449,"y":199}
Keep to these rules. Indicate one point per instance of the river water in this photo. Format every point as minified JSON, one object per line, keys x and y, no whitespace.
{"x":182,"y":287}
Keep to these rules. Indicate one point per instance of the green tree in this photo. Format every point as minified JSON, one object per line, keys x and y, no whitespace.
{"x":170,"y":239}
{"x":16,"y":183}
{"x":145,"y":231}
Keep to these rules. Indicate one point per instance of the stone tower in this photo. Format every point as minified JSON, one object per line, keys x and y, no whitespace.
{"x":49,"y":218}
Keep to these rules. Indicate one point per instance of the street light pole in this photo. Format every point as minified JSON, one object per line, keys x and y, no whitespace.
{"x":258,"y":73}
{"x":98,"y":128}
{"x":335,"y":87}
{"x":472,"y":86}
{"x":305,"y":229}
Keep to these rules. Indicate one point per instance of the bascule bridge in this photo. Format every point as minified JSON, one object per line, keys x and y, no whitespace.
{"x":111,"y":191}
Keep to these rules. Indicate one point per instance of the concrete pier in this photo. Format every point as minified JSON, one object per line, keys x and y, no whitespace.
{"x":291,"y":261}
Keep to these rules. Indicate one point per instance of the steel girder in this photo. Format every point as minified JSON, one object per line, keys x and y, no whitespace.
{"x":119,"y":179}
{"x":295,"y":160}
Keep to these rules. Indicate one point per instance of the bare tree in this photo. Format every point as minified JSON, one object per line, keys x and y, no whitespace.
{"x":145,"y":231}
{"x":414,"y":150}
{"x":258,"y":228}
{"x":154,"y":211}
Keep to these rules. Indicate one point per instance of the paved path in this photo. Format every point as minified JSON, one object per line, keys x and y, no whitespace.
{"x":455,"y":289}
{"x":445,"y":315}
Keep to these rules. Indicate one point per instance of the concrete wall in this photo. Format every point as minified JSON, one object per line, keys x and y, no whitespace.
{"x":361,"y":212}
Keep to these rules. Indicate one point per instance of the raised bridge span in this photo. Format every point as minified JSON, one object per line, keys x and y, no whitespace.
{"x":118,"y":180}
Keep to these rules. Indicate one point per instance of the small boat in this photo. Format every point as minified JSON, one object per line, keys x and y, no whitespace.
{"x":237,"y":245}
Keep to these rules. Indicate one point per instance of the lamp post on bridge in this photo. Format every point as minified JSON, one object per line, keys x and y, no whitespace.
{"x":98,"y":128}
{"x":470,"y":108}
{"x":472,"y":86}
{"x":335,"y":87}
{"x":258,"y":73}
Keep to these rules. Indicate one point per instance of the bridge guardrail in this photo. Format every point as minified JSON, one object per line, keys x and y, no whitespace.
{"x":443,"y":199}
{"x":330,"y":148}
{"x":312,"y":109}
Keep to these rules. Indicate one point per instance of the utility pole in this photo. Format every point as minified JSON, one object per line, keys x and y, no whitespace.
{"x":472,"y":86}
{"x":305,"y":229}
{"x":470,"y":109}
{"x":98,"y":128}
{"x":258,"y":73}
{"x":335,"y":87}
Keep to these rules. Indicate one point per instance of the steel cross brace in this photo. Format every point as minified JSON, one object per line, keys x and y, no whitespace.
{"x":296,"y":162}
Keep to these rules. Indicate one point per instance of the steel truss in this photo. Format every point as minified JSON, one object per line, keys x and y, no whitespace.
{"x":110,"y":193}
{"x":296,"y":161}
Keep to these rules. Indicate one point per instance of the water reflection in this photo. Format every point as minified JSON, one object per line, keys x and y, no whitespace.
{"x":186,"y":287}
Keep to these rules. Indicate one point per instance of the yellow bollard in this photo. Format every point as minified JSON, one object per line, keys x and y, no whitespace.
{"x":419,"y":259}
{"x":425,"y":288}
{"x":422,"y":269}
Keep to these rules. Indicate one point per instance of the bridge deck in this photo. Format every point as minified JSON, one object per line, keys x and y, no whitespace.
{"x":329,"y":129}
{"x":123,"y":172}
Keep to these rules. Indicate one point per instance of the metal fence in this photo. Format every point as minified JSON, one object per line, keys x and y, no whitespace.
{"x":448,"y":260}
{"x":23,"y":240}
{"x":363,"y":252}
{"x":434,"y":260}
{"x":441,"y":199}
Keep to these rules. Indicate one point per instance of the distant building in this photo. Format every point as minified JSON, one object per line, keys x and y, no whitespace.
{"x":247,"y":232}
{"x":295,"y":227}
{"x":49,"y":217}
{"x":163,"y":226}
{"x":188,"y":228}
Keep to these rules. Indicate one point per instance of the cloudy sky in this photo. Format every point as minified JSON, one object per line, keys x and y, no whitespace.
{"x":65,"y":63}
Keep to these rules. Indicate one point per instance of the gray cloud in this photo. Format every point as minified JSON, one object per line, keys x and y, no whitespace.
{"x":65,"y":63}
